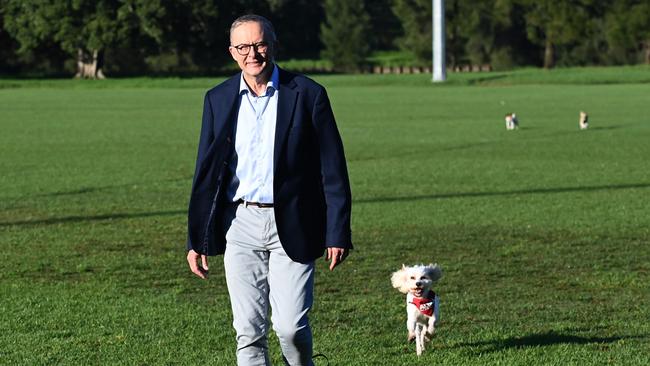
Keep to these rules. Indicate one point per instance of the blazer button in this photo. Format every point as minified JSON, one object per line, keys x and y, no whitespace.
{"x":228,"y":141}
{"x":225,"y":163}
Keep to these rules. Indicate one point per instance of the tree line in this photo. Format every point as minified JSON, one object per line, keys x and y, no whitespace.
{"x":134,"y":37}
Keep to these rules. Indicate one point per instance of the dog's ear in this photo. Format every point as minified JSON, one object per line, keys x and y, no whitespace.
{"x":434,"y":271}
{"x":398,"y":279}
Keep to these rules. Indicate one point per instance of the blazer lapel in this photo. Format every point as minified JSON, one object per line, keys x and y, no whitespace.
{"x":286,"y":105}
{"x":224,"y":122}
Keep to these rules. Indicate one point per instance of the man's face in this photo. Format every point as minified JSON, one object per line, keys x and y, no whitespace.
{"x":257,"y":59}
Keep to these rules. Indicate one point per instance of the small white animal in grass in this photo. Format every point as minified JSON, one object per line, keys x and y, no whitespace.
{"x":511,"y":121}
{"x":584,"y":120}
{"x":422,"y":303}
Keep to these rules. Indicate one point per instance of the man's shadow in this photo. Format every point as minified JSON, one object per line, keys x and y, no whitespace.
{"x":549,"y":338}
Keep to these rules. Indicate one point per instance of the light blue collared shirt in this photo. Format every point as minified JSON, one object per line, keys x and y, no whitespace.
{"x":254,"y":143}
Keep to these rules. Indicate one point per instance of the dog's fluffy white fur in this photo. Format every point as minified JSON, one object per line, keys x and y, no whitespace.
{"x":417,"y":283}
{"x":584,"y":120}
{"x":511,"y":121}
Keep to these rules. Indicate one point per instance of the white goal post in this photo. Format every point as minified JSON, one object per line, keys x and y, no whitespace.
{"x":439,"y":69}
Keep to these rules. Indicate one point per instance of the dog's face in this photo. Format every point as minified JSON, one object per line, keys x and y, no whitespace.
{"x":416,"y":279}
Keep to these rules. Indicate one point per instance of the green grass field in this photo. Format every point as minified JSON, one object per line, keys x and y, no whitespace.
{"x":543,"y":233}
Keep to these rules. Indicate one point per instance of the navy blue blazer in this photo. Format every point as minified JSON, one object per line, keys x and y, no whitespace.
{"x":311,"y":188}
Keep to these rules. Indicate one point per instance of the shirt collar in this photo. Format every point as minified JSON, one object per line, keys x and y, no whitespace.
{"x":274,"y":82}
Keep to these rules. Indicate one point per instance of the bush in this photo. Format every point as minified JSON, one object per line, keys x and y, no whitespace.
{"x":345,"y":34}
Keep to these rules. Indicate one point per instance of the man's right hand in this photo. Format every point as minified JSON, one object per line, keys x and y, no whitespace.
{"x":199,"y":269}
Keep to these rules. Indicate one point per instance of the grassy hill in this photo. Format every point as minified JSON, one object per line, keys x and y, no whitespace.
{"x":542,"y":233}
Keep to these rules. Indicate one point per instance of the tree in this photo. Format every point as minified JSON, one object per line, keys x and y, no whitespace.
{"x":480,"y":25}
{"x":345,"y":34}
{"x":8,"y":46}
{"x":489,"y":31}
{"x":385,"y":26}
{"x":640,"y":21}
{"x":297,"y":24}
{"x":415,"y":16}
{"x":82,"y":28}
{"x":552,"y":23}
{"x":628,"y":31}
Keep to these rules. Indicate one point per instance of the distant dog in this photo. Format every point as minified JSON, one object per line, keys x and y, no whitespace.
{"x":584,"y":121}
{"x":511,"y":121}
{"x":422,"y":303}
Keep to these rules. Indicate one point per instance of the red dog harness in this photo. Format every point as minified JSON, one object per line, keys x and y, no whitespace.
{"x":425,"y":304}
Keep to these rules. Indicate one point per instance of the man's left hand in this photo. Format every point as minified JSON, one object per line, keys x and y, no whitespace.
{"x":336,"y":256}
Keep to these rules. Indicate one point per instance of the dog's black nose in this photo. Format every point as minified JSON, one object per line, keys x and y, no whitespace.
{"x":418,"y":284}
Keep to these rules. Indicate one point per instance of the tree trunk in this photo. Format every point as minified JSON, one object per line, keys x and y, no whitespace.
{"x":549,"y":55}
{"x":89,"y":65}
{"x":647,"y":52}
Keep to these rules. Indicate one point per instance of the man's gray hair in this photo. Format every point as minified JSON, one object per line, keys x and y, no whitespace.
{"x":267,"y":26}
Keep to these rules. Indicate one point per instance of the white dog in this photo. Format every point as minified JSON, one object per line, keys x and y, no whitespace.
{"x":584,"y":121}
{"x":422,"y":303}
{"x":511,"y":121}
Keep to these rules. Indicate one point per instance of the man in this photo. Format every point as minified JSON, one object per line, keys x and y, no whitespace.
{"x":270,"y":192}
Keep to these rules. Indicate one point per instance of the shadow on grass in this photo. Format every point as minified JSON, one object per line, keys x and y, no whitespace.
{"x":404,"y":154}
{"x":69,"y":219}
{"x":550,"y":338}
{"x":85,"y":190}
{"x":486,"y":79}
{"x":505,"y":193}
{"x":607,"y":128}
{"x":74,"y":192}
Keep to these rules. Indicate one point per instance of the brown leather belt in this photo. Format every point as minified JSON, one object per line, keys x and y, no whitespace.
{"x":256,"y":204}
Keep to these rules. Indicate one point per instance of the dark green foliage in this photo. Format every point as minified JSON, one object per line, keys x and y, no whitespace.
{"x":191,"y":37}
{"x":415,"y":16}
{"x":384,"y":24}
{"x":73,"y":25}
{"x":297,"y":24}
{"x":345,"y":34}
{"x":507,"y":33}
{"x":69,"y":24}
{"x":553,"y":24}
{"x":627,"y":28}
{"x":478,"y":32}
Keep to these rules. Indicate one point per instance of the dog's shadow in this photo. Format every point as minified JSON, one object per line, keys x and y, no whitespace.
{"x":550,"y":338}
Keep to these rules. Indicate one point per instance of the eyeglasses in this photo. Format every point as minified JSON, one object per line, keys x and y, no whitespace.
{"x":245,"y":49}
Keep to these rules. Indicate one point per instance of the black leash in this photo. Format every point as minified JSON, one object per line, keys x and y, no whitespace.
{"x":323,"y":356}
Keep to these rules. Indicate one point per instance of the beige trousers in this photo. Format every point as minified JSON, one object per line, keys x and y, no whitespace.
{"x":261,"y":277}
